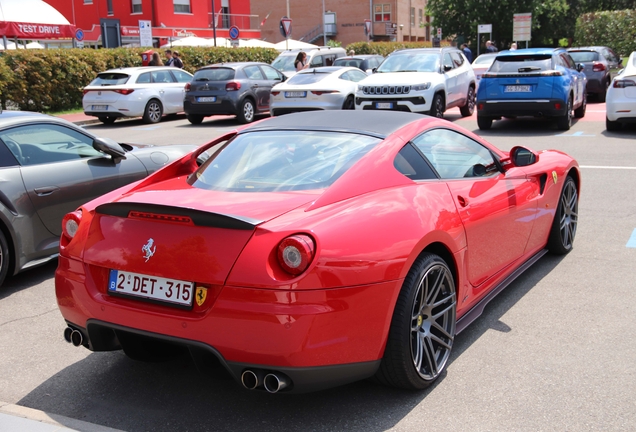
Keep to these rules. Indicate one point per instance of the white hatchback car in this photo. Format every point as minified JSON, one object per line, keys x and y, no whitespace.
{"x":148,"y":92}
{"x":621,"y":97}
{"x":422,"y":80}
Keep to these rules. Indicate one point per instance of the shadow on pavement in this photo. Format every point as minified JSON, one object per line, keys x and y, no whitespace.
{"x":27,"y":279}
{"x":111,"y":390}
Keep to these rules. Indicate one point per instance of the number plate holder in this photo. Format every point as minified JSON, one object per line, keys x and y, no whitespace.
{"x":166,"y":291}
{"x":518,"y":89}
{"x":206,"y":99}
{"x":295,"y":94}
{"x":99,"y":107}
{"x":384,"y":105}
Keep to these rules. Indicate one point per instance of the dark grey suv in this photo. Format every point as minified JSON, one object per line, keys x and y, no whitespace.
{"x":601,"y":66}
{"x":240,"y":89}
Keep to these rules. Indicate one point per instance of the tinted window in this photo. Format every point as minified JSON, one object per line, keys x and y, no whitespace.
{"x":410,"y":61}
{"x":522,"y":63}
{"x":454,"y":155}
{"x":162,"y":77}
{"x":307,"y":78}
{"x":457,"y":59}
{"x":46,"y":143}
{"x":448,"y":61}
{"x":181,"y":76}
{"x":567,"y":60}
{"x":143,"y":78}
{"x":584,"y":56}
{"x":110,"y":78}
{"x":281,"y":161}
{"x":411,"y":163}
{"x":348,"y":62}
{"x":253,"y":72}
{"x":270,"y":73}
{"x":214,"y":74}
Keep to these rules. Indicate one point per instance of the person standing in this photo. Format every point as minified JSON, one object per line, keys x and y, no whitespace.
{"x":490,"y":47}
{"x":156,"y":60}
{"x":467,"y":52}
{"x":301,"y":61}
{"x":176,"y":60}
{"x":169,"y":57}
{"x":513,"y":47}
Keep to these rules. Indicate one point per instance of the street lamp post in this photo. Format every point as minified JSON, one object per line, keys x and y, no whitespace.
{"x":214,"y":22}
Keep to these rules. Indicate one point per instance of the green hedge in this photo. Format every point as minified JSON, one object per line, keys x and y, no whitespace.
{"x":615,"y":29}
{"x":52,"y":80}
{"x":386,"y":48}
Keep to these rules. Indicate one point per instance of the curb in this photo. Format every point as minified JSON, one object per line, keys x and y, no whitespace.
{"x":16,"y":417}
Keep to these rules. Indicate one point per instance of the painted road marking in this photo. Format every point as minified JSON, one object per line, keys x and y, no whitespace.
{"x":608,"y":167}
{"x":147,"y":128}
{"x":575,"y":134}
{"x":631,"y":243}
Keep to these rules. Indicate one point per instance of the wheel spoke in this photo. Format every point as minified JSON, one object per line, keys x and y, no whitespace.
{"x":444,"y":311}
{"x":418,"y":352}
{"x":444,"y":332}
{"x":436,"y":287}
{"x":450,"y":297}
{"x":440,"y":341}
{"x":430,"y":356}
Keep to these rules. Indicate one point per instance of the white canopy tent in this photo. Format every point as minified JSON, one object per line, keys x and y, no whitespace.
{"x":192,"y":41}
{"x":255,"y":43}
{"x":293,"y":44}
{"x":32,"y":19}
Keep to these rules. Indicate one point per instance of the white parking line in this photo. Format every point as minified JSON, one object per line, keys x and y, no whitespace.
{"x":608,"y":167}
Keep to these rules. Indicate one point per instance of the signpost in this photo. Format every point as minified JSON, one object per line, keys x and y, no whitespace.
{"x":79,"y":38}
{"x":483,"y":28}
{"x":234,"y":35}
{"x":145,"y":33}
{"x":522,"y":27}
{"x":367,"y":28}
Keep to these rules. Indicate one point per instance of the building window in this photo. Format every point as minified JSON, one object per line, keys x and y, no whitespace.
{"x":181,"y":6}
{"x":136,"y":6}
{"x":109,"y":5}
{"x":421,"y":18}
{"x":382,"y":12}
{"x":412,"y":17}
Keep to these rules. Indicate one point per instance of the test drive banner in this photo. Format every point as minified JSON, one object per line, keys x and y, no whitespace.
{"x":36,"y":31}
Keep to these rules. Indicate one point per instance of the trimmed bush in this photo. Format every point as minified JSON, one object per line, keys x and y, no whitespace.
{"x":615,"y":29}
{"x":386,"y":48}
{"x":52,"y":80}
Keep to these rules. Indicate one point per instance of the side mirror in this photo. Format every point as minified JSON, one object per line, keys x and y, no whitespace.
{"x":580,"y":67}
{"x":110,"y":147}
{"x":447,"y":68}
{"x":521,"y":156}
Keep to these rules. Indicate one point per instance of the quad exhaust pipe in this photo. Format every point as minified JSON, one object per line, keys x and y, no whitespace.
{"x":73,"y":336}
{"x":273,"y":381}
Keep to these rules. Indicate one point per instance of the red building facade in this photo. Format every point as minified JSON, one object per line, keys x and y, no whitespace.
{"x":169,"y":18}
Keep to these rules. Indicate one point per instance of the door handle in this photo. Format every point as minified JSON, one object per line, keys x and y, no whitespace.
{"x":462,"y":201}
{"x":46,"y":190}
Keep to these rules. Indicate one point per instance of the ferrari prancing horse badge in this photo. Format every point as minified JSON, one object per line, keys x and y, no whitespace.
{"x":200,"y":295}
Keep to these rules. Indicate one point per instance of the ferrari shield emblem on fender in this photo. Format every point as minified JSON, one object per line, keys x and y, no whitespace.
{"x":148,"y":249}
{"x":555,"y":177}
{"x":200,"y":295}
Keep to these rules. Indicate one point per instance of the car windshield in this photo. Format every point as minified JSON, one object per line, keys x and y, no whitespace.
{"x":583,"y":56}
{"x":485,"y":59}
{"x":522,"y":63}
{"x":285,"y":63}
{"x":265,"y":161}
{"x":307,"y":78}
{"x":348,"y":62}
{"x":412,"y":61}
{"x":110,"y":78}
{"x":214,"y":74}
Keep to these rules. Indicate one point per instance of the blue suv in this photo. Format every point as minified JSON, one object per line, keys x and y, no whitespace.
{"x":539,"y":82}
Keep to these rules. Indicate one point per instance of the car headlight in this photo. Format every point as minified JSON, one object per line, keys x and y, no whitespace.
{"x":421,"y":87}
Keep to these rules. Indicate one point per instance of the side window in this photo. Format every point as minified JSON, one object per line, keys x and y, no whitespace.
{"x":253,"y":72}
{"x":569,"y":63}
{"x":47,"y":143}
{"x":454,"y":155}
{"x":271,"y":73}
{"x":163,"y":76}
{"x":356,"y":75}
{"x":410,"y":162}
{"x":457,"y":59}
{"x":329,"y":60}
{"x":144,"y":78}
{"x":181,"y":76}
{"x":316,"y":61}
{"x":448,"y":61}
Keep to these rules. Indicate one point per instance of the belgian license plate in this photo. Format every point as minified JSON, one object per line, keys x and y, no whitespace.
{"x":207,"y":99}
{"x":384,"y":105}
{"x":296,"y":94}
{"x":518,"y":89}
{"x":173,"y":291}
{"x":99,"y":107}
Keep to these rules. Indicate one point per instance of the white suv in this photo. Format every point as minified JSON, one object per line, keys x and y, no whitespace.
{"x":423,"y":80}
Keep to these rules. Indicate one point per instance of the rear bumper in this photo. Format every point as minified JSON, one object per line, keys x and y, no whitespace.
{"x":621,"y":109}
{"x":535,"y":108}
{"x":223,"y":107}
{"x":319,"y":338}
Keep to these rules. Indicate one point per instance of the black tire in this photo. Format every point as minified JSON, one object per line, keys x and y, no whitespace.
{"x":349,"y":103}
{"x":153,"y":111}
{"x":4,"y":258}
{"x":580,"y":111}
{"x":437,"y":107}
{"x":246,"y":111}
{"x":601,"y":95}
{"x":469,"y":108}
{"x":107,"y":120}
{"x":484,"y":123}
{"x":194,"y":119}
{"x":566,"y":219}
{"x":565,"y":121}
{"x":421,"y":335}
{"x":612,"y":126}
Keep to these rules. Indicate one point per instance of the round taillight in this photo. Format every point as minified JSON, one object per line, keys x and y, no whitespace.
{"x":70,"y":224}
{"x":295,"y":253}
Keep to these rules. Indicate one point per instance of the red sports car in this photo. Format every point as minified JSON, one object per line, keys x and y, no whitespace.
{"x":314,"y":249}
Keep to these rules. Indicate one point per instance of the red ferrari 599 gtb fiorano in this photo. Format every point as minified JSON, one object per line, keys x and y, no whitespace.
{"x":314,"y":249}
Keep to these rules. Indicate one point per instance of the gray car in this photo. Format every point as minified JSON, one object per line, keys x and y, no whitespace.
{"x":49,"y":167}
{"x":601,"y":66}
{"x":365,"y":62}
{"x":240,"y":89}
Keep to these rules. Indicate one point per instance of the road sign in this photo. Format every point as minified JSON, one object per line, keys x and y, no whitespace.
{"x":484,"y":28}
{"x":234,"y":43}
{"x":521,"y":26}
{"x":367,"y":27}
{"x":439,"y":32}
{"x":285,"y":27}
{"x":79,"y":35}
{"x":234,"y":32}
{"x":79,"y":44}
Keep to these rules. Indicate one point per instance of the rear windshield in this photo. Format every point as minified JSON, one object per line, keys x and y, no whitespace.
{"x":214,"y":74}
{"x":110,"y":78}
{"x":583,"y":56}
{"x":522,"y":63}
{"x":348,"y":62}
{"x":266,"y":161}
{"x":485,"y":59}
{"x":307,"y":78}
{"x":285,"y":63}
{"x":410,"y":62}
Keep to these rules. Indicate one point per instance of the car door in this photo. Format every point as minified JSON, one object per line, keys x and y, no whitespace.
{"x":497,"y":209}
{"x":463,"y":76}
{"x":61,"y":170}
{"x":182,"y":79}
{"x":273,"y":77}
{"x":260,"y":86}
{"x":580,"y":80}
{"x":450,"y":78}
{"x":170,"y":92}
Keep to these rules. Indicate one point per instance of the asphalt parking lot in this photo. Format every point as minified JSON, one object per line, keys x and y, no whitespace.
{"x":554,"y":352}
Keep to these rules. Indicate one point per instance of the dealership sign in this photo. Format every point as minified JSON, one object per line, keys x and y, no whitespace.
{"x":36,"y":31}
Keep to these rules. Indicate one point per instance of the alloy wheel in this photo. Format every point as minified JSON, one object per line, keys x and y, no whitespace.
{"x":569,"y":214}
{"x":154,"y":112}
